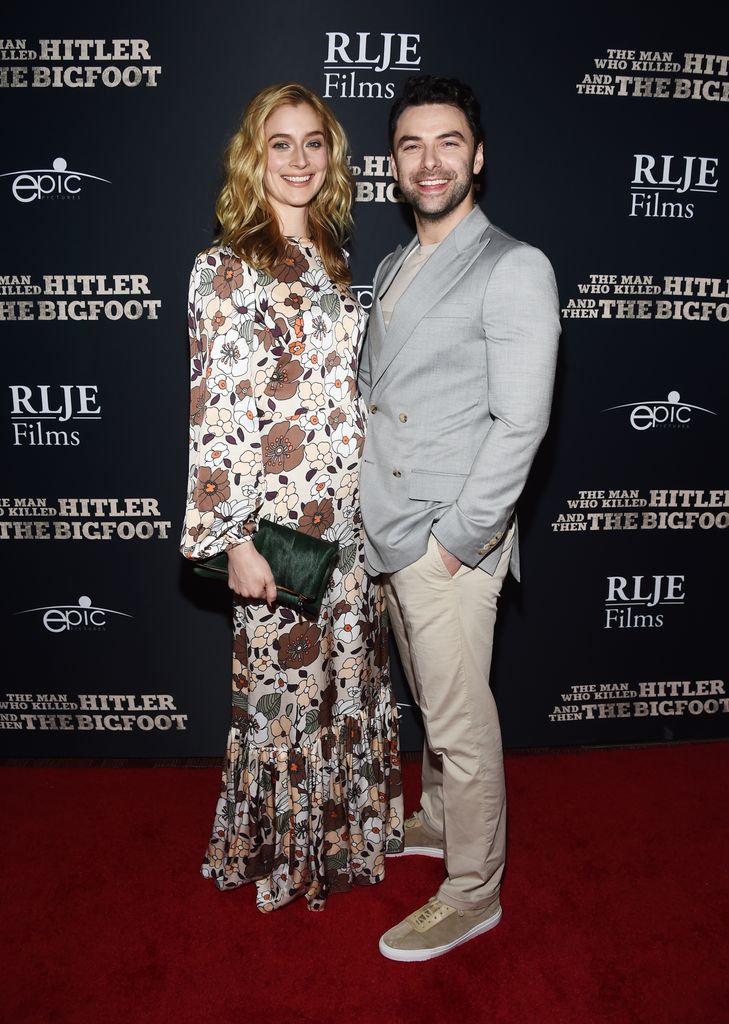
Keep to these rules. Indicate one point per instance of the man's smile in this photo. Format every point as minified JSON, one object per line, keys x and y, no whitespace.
{"x":432,"y":184}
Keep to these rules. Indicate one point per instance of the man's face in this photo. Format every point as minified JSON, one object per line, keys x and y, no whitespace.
{"x":435,"y":159}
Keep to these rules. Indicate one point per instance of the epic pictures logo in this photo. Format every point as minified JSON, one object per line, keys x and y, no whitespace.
{"x":56,"y":182}
{"x":671,"y":412}
{"x":68,"y":618}
{"x":363,"y":294}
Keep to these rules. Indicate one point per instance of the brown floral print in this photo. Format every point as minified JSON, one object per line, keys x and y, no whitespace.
{"x":282,"y":449}
{"x":212,"y":487}
{"x":282,"y":382}
{"x":228,"y":277}
{"x":316,"y":517}
{"x":310,"y":797}
{"x":300,"y":646}
{"x":292,"y":265}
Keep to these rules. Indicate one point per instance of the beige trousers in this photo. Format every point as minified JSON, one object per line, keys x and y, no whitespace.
{"x":444,"y":629}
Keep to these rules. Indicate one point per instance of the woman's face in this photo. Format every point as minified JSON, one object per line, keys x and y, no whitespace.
{"x":297,"y":158}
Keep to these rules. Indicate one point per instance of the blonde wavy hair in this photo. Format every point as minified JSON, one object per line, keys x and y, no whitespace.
{"x":248,"y":223}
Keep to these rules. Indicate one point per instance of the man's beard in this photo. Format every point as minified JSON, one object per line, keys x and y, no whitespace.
{"x":454,"y":199}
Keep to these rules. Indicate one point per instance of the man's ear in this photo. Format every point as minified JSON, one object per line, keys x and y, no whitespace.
{"x":478,"y":159}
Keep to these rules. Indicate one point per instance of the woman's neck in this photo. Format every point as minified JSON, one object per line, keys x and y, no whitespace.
{"x":294,"y":223}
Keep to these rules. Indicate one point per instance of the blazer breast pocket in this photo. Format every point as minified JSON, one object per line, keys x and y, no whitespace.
{"x":454,"y":318}
{"x":426,"y":485}
{"x":453,"y":309}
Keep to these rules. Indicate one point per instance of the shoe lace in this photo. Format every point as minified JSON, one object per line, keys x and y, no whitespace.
{"x":433,"y":912}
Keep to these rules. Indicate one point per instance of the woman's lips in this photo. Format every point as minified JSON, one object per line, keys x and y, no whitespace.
{"x":297,"y":179}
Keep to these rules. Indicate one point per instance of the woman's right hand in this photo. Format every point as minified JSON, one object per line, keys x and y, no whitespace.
{"x":249,"y":574}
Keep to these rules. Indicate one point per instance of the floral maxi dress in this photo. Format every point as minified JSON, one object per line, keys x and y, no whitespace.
{"x":311,"y":797}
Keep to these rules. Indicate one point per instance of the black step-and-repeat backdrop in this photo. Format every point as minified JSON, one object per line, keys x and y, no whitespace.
{"x":606,"y":147}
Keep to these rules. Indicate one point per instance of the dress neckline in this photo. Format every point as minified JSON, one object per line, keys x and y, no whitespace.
{"x":301,"y":240}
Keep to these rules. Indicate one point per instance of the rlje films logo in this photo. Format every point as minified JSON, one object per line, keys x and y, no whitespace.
{"x":56,"y":182}
{"x":671,"y":412}
{"x":631,"y":602}
{"x":352,"y":61}
{"x":68,"y":618}
{"x":32,"y":407}
{"x":654,"y":175}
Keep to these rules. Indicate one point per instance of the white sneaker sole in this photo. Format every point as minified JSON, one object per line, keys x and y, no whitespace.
{"x":419,"y":955}
{"x":422,"y":851}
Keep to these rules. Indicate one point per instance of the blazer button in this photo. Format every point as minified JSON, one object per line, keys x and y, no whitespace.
{"x":403,"y":417}
{"x":373,"y":408}
{"x":396,"y":472}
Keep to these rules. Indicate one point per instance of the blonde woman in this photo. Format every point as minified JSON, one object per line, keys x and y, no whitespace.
{"x":311,"y":797}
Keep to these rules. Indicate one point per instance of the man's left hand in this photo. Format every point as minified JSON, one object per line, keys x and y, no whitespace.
{"x":450,"y":561}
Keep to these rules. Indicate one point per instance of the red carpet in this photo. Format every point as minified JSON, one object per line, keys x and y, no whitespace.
{"x":616,"y":906}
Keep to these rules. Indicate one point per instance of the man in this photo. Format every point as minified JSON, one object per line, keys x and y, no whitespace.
{"x":457,"y":371}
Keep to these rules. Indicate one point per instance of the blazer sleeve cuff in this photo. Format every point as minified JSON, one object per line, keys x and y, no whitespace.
{"x":464,"y":539}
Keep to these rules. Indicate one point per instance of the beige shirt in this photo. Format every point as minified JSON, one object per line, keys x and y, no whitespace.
{"x":403,"y":279}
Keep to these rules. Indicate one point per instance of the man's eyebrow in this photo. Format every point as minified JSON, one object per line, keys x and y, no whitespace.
{"x":444,"y":135}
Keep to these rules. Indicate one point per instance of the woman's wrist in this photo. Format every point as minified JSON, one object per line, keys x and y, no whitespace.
{"x":242,"y":534}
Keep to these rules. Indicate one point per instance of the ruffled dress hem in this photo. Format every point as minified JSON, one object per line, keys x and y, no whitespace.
{"x":309,"y":817}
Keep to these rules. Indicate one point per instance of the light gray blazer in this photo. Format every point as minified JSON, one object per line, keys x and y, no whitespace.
{"x":459,"y":397}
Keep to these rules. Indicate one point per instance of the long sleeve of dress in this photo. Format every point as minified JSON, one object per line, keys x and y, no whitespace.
{"x":225,"y":479}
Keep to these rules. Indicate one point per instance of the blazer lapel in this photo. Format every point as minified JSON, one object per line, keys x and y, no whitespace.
{"x":445,"y":267}
{"x":376,"y":329}
{"x":395,"y":262}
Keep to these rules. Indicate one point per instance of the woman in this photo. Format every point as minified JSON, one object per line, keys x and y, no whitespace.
{"x":311,"y":796}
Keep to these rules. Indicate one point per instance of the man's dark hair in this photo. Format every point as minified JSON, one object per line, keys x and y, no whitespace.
{"x":420,"y":90}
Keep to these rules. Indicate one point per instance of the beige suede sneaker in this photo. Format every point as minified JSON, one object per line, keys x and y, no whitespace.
{"x":417,"y":840}
{"x":435,"y":929}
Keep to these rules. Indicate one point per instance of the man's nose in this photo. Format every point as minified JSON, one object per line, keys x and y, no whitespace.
{"x":431,"y":157}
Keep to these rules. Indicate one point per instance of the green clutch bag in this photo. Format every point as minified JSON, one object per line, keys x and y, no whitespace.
{"x":301,"y":565}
